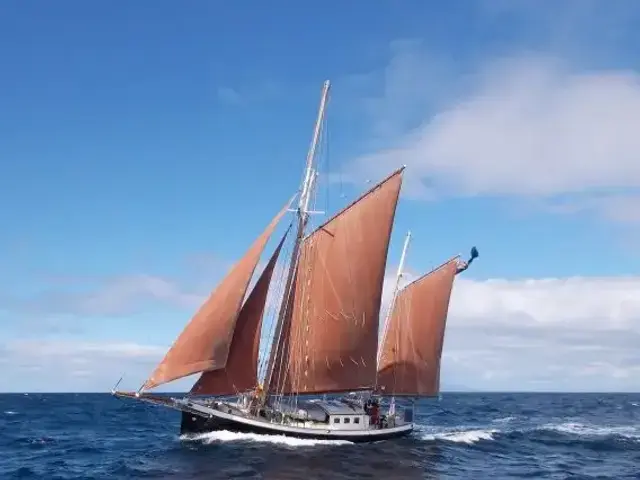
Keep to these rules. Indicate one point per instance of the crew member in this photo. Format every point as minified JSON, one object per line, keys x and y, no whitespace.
{"x":374,"y":413}
{"x":256,"y":399}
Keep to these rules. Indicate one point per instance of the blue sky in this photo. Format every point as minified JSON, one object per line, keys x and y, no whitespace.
{"x":143,"y":147}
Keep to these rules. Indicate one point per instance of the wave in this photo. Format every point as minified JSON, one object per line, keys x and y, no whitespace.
{"x":473,"y":434}
{"x":504,"y":420}
{"x":227,"y":436}
{"x":461,"y":436}
{"x":592,"y":431}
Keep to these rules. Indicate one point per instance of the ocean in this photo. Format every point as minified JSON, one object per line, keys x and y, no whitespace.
{"x":464,"y":435}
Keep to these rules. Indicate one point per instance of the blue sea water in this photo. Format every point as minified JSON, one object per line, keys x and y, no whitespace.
{"x":476,"y":436}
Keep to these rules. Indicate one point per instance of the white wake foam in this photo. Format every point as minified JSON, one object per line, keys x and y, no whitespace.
{"x":579,"y":429}
{"x":461,"y":436}
{"x":227,"y":436}
{"x":10,"y":412}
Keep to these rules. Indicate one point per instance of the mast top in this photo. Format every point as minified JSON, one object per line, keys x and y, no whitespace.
{"x":310,"y":171}
{"x":306,"y":194}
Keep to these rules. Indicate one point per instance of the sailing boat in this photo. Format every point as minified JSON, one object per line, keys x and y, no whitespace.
{"x":326,"y":334}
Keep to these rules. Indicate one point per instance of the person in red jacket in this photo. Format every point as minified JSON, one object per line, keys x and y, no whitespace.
{"x":374,"y":413}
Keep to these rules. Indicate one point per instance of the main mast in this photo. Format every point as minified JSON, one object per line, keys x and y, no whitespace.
{"x":307,"y":188}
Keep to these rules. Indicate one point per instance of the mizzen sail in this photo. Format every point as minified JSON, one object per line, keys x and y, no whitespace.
{"x":241,"y":371}
{"x":204,"y":343}
{"x":412,"y":347}
{"x":329,"y":342}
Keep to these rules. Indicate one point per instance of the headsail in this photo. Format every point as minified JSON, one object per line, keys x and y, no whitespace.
{"x":412,"y":348}
{"x":241,"y":371}
{"x":329,"y":342}
{"x":204,"y":343}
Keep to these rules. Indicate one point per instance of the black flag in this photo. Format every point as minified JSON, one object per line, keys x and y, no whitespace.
{"x":464,"y":265}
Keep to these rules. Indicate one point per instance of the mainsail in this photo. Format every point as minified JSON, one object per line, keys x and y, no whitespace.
{"x":241,"y":371}
{"x":330,"y":336}
{"x":412,"y":347}
{"x":204,"y":343}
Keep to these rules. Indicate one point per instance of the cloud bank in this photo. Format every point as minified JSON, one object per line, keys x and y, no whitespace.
{"x":530,"y":334}
{"x":546,"y":334}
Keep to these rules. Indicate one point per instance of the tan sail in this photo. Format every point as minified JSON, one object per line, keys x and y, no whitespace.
{"x":412,"y":348}
{"x":330,"y":342}
{"x":204,"y":343}
{"x":241,"y":371}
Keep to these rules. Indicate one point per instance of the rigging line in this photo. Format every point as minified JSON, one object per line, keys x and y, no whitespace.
{"x":281,"y":365}
{"x":326,"y":144}
{"x":299,"y":334}
{"x":273,"y":289}
{"x":278,"y":348}
{"x":286,"y":367}
{"x":276,"y":312}
{"x":277,"y":288}
{"x":303,"y":352}
{"x":278,"y":305}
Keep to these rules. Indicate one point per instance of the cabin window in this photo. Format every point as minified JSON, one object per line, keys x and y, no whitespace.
{"x":347,"y":420}
{"x":336,"y":420}
{"x":356,"y":420}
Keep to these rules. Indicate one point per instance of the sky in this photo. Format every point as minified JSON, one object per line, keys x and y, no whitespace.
{"x":144,"y":146}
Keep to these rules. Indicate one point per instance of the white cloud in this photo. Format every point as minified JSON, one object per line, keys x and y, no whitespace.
{"x":584,"y":303}
{"x":528,"y":127}
{"x":77,"y":350}
{"x":531,"y":334}
{"x":117,"y":296}
{"x":557,"y":333}
{"x":67,"y":365}
{"x":622,"y":208}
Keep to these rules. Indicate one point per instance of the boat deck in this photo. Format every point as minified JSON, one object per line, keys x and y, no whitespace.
{"x":201,"y":416}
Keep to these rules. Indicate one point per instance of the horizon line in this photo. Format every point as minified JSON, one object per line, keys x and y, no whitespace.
{"x":466,"y":391}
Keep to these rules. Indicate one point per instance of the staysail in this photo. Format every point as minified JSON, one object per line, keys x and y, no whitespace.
{"x":204,"y":343}
{"x":330,"y":337}
{"x":241,"y":371}
{"x":412,"y":348}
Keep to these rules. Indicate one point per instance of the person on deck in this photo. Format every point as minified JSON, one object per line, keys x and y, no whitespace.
{"x":256,"y":399}
{"x":374,"y":413}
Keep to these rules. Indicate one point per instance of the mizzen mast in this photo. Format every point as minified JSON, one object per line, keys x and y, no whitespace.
{"x":307,"y":189}
{"x":396,"y":289}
